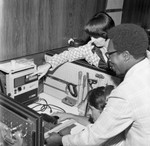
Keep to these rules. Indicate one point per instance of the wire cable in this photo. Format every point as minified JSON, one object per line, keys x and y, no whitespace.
{"x":44,"y":106}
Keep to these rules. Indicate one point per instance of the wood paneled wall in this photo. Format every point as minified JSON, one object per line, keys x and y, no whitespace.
{"x":32,"y":26}
{"x":137,"y":11}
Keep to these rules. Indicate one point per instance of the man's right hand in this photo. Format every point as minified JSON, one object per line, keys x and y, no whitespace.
{"x":42,"y":70}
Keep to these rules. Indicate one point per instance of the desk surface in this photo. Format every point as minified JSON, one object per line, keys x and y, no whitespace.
{"x":57,"y":102}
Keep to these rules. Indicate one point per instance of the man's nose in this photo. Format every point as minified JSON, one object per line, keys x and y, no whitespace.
{"x":89,"y":113}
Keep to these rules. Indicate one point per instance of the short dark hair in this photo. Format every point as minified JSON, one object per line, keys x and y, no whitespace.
{"x":97,"y":97}
{"x":99,"y":25}
{"x":129,"y":37}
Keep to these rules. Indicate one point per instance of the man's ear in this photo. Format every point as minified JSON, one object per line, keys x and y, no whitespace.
{"x":126,"y":56}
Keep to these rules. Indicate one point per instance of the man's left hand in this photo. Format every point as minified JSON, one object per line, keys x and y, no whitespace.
{"x":54,"y":139}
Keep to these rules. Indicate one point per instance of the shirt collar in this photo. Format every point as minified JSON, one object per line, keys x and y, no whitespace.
{"x":137,"y":67}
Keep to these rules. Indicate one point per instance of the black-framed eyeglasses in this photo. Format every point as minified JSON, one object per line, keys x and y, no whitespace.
{"x":107,"y":54}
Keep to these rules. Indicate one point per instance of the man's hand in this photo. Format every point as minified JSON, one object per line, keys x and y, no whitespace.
{"x":63,"y":116}
{"x":54,"y":139}
{"x":42,"y":70}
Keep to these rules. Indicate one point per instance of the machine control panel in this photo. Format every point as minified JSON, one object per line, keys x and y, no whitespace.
{"x":19,"y":84}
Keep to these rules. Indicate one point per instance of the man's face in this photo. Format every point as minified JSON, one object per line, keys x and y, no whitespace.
{"x":116,"y":59}
{"x":95,"y":113}
{"x":99,"y":42}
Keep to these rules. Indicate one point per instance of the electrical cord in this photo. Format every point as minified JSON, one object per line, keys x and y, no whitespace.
{"x":44,"y":106}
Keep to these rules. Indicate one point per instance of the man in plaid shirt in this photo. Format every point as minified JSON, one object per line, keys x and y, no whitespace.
{"x":93,"y":52}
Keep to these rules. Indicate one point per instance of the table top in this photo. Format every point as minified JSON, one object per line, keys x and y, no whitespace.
{"x":55,"y":103}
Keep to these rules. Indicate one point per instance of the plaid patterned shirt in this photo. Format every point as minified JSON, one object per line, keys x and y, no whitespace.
{"x":72,"y":54}
{"x":127,"y":109}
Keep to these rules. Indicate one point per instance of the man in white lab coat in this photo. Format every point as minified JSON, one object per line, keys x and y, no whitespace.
{"x":128,"y":106}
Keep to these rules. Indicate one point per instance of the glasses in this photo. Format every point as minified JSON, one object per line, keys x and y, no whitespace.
{"x":107,"y":54}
